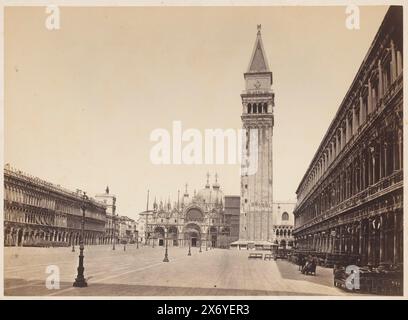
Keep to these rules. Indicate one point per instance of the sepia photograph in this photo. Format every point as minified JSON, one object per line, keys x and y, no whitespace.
{"x":203,"y":151}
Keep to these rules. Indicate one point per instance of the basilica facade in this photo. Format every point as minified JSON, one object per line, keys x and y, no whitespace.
{"x":195,"y":220}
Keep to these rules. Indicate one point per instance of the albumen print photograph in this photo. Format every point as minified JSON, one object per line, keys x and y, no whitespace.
{"x":203,"y":151}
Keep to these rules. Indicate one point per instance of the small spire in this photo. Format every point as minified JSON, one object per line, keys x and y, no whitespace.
{"x":107,"y":190}
{"x":259,"y":28}
{"x":208,"y":180}
{"x":147,"y":202}
{"x":155,"y":204}
{"x":216,"y":185}
{"x":186,"y":193}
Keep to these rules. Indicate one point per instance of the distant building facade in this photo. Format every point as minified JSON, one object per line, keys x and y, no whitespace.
{"x":127,"y":230}
{"x":350,"y":200}
{"x":231,"y":216}
{"x":39,"y":213}
{"x":283,"y":223}
{"x":111,"y":225}
{"x":142,"y":223}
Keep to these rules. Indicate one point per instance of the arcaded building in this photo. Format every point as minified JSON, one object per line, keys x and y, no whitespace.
{"x":350,"y":200}
{"x":39,"y":213}
{"x":282,"y":226}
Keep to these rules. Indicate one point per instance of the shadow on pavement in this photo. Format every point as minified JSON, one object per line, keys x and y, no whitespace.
{"x":288,"y":270}
{"x":19,"y":287}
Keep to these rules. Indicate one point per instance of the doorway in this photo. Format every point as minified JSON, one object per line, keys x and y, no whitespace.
{"x":193,"y":242}
{"x":20,"y":238}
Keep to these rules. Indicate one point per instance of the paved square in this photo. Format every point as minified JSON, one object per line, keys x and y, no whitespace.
{"x":141,"y":272}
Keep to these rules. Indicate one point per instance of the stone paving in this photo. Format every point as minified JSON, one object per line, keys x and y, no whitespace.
{"x":141,"y":272}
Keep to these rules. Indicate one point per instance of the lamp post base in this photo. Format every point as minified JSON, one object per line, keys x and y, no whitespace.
{"x":80,"y":282}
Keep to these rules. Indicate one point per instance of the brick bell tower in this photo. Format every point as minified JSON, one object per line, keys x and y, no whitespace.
{"x":256,"y":169}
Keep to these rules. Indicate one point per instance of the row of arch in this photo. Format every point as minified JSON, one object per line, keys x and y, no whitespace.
{"x":21,"y":236}
{"x":372,"y":240}
{"x":257,"y":108}
{"x":284,"y":243}
{"x":191,"y":234}
{"x":159,"y":230}
{"x":364,"y":101}
{"x":193,"y":214}
{"x":283,"y":233}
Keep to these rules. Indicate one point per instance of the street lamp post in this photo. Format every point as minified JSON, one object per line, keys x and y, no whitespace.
{"x":217,"y":237}
{"x":73,"y":245}
{"x":206,"y":240}
{"x":210,"y":237}
{"x":80,"y":279}
{"x":166,"y":254}
{"x":189,"y":246}
{"x":114,"y":225}
{"x":200,"y":242}
{"x":146,"y":233}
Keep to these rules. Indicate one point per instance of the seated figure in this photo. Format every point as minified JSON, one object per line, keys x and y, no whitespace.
{"x":310,"y":266}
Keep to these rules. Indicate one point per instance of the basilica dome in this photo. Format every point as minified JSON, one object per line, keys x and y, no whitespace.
{"x":211,"y":195}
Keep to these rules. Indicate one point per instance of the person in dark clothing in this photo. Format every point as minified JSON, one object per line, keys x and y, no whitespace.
{"x":302,"y":262}
{"x":310,"y":266}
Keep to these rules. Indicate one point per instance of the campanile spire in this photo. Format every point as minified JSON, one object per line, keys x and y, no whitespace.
{"x":258,"y":61}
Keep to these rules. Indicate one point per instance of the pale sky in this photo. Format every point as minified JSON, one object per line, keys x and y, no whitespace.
{"x":81,"y":101}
